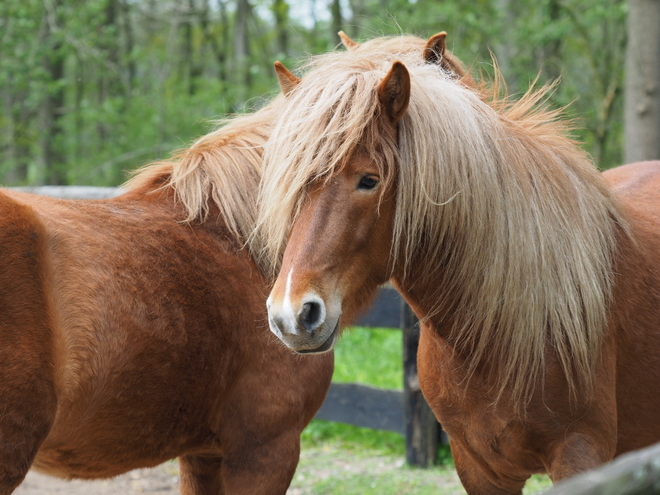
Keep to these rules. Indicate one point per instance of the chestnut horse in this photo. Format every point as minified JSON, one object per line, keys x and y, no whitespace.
{"x":536,"y":278}
{"x":134,"y":331}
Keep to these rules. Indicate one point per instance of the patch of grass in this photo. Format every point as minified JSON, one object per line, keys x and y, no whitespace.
{"x":371,"y":356}
{"x":352,"y":439}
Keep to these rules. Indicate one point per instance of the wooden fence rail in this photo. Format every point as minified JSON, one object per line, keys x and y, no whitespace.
{"x":405,"y":412}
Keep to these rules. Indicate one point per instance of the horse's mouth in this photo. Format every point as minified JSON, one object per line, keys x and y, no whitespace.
{"x":325,"y":346}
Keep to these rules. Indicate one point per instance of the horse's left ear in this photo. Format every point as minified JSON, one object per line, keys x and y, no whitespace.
{"x":434,"y":50}
{"x":394,"y":91}
{"x":285,"y":77}
{"x":347,"y":42}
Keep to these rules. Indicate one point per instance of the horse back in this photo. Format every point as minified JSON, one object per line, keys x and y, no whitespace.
{"x":638,"y":186}
{"x":635,"y":308}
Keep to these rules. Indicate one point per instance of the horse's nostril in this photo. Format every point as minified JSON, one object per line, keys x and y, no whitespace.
{"x":310,"y":315}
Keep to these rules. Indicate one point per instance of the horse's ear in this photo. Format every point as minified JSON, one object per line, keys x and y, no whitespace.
{"x":285,"y":77}
{"x":394,"y":91}
{"x":348,"y":43}
{"x":434,"y":50}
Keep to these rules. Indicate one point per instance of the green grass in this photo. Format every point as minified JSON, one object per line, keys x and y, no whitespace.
{"x":339,"y":459}
{"x":371,"y":357}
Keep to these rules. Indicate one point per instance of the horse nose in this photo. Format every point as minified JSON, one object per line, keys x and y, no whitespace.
{"x":311,"y":315}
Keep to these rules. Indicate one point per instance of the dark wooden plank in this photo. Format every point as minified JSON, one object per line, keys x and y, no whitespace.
{"x":361,"y":405}
{"x":385,"y":312}
{"x":634,"y":473}
{"x":422,"y":428}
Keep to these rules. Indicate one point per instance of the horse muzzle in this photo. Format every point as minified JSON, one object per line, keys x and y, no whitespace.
{"x":308,"y":327}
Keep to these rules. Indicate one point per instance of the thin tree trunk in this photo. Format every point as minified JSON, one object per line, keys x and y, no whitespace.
{"x":552,"y":58}
{"x":642,"y":89}
{"x":337,"y":21}
{"x":242,"y":47}
{"x":281,"y":12}
{"x":129,"y":43}
{"x":51,"y":132}
{"x":360,"y":14}
{"x":505,"y":50}
{"x":187,"y":55}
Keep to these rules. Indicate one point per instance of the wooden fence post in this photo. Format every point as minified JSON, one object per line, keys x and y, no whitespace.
{"x":421,"y":426}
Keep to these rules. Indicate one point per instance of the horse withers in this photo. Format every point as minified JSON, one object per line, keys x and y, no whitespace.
{"x":133,"y":331}
{"x":536,"y":279}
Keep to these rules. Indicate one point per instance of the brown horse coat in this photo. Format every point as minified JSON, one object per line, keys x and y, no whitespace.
{"x":128,"y":337}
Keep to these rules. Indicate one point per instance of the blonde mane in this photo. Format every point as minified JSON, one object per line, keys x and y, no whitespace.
{"x":493,"y":199}
{"x":222,"y":168}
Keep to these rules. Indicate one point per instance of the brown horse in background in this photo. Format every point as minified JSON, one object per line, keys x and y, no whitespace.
{"x":536,"y":279}
{"x":133,"y":331}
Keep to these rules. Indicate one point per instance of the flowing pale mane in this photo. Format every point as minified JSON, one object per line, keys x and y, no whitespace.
{"x":492,"y":197}
{"x":222,"y":167}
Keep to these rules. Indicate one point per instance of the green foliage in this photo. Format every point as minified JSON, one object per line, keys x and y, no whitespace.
{"x":99,"y":87}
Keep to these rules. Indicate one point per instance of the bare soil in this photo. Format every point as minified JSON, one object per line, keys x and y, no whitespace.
{"x":316,"y":465}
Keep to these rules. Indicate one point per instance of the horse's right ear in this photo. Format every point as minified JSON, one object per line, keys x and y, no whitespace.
{"x":348,"y":43}
{"x":394,"y":91}
{"x":434,"y":50}
{"x":285,"y":77}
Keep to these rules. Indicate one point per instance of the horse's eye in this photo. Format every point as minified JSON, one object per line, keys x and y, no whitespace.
{"x":367,"y":182}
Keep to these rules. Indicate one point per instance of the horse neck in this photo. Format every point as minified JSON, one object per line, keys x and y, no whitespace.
{"x":419,"y":288}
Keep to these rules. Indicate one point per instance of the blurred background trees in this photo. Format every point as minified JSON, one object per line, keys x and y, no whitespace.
{"x":93,"y":88}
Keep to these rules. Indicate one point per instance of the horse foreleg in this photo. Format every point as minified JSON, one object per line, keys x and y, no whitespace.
{"x":578,"y":453}
{"x":477,"y":481}
{"x":200,"y":475}
{"x":264,"y":469}
{"x":26,"y":414}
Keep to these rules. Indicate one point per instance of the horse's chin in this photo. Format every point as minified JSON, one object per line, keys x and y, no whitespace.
{"x":326,"y":346}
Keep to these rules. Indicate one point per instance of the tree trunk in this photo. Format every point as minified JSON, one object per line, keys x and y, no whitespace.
{"x":506,"y":48}
{"x":552,"y":51}
{"x":642,"y":90}
{"x":187,"y":59}
{"x":281,"y":13}
{"x":337,"y":21}
{"x":242,"y":45}
{"x":129,"y":42}
{"x":51,"y":134}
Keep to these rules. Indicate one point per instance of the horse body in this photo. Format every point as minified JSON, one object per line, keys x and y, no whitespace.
{"x":130,"y":337}
{"x":536,"y":279}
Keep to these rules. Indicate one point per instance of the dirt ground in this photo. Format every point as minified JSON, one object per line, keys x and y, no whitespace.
{"x":315,"y":466}
{"x":162,"y":479}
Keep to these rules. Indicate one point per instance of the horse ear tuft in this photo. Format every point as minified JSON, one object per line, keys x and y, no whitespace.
{"x":394,"y":91}
{"x":348,"y":43}
{"x":434,"y":50}
{"x":285,"y":77}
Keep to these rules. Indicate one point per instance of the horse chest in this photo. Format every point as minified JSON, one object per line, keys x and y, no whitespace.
{"x":496,"y":438}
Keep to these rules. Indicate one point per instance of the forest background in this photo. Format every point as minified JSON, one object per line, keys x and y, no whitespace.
{"x":94,"y":88}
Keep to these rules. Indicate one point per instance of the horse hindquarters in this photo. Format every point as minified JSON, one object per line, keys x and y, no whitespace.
{"x":27,"y":392}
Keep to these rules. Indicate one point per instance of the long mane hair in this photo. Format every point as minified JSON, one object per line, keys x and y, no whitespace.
{"x":222,"y":168}
{"x":492,"y":198}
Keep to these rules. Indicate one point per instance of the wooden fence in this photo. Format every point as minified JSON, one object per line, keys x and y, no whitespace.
{"x":405,"y":412}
